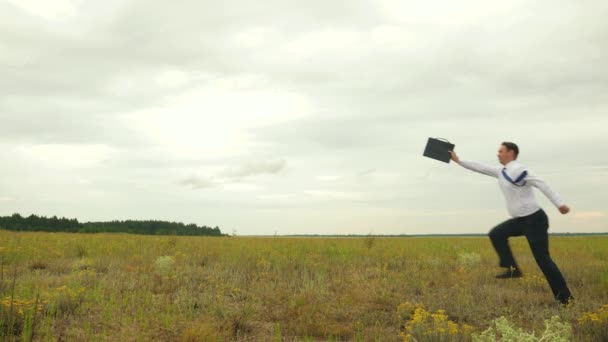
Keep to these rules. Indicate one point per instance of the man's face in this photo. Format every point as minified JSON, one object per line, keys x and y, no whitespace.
{"x":505,"y":156}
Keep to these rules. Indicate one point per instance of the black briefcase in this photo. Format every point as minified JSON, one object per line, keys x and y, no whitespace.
{"x":437,"y":148}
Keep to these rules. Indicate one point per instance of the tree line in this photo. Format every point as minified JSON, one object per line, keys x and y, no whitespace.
{"x":148,"y":227}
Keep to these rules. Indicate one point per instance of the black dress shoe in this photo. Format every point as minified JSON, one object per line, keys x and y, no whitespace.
{"x":566,"y":301}
{"x":511,"y":273}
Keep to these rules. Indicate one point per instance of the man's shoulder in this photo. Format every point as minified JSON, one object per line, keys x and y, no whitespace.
{"x":515,"y":170}
{"x":518,"y":166}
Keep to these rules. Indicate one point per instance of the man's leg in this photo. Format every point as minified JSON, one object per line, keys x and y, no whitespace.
{"x":538,"y":238}
{"x":499,"y":236}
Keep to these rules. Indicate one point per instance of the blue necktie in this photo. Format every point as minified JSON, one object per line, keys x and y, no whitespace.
{"x":519,"y":179}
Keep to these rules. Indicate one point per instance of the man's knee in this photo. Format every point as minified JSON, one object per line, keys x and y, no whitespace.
{"x":495,"y":234}
{"x":502,"y":231}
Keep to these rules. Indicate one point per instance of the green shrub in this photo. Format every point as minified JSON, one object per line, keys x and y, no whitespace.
{"x":502,"y":330}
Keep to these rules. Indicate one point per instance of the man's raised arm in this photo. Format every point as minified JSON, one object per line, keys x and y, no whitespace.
{"x":553,"y":196}
{"x":487,"y":170}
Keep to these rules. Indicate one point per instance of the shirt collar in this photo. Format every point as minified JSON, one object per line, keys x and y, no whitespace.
{"x":511,"y":164}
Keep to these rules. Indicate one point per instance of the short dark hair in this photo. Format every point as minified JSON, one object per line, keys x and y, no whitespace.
{"x":511,"y":146}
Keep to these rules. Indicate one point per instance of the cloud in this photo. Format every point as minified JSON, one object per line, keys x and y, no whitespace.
{"x":46,"y":9}
{"x":329,"y":178}
{"x":256,"y":168}
{"x":198,"y":182}
{"x":315,"y":109}
{"x":339,"y":195}
{"x":67,"y":156}
{"x":590,"y":214}
{"x":233,"y":178}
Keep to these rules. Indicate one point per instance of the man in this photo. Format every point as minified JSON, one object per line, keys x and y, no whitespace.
{"x":527,"y":217}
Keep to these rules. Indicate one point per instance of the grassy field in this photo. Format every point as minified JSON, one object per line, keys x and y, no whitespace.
{"x":119,"y":287}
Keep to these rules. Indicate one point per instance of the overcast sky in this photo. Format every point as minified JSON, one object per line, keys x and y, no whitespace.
{"x":300,"y":117}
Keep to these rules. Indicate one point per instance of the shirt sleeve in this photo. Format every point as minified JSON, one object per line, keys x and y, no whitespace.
{"x":540,"y":184}
{"x":487,"y":170}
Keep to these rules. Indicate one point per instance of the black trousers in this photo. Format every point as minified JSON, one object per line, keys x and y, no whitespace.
{"x":535,"y":228}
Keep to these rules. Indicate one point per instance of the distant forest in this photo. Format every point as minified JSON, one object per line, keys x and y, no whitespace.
{"x":150,"y":227}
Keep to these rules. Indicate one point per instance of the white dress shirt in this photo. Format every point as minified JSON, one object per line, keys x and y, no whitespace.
{"x":519,"y":196}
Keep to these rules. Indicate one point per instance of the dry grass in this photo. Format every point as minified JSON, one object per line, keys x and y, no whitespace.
{"x":119,"y":287}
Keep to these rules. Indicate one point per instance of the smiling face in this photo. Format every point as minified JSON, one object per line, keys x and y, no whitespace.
{"x":505,"y":155}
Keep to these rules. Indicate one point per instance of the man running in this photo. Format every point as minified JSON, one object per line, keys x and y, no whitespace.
{"x":527,"y":217}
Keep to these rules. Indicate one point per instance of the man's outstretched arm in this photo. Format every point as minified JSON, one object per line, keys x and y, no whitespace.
{"x":477,"y":167}
{"x":553,"y":196}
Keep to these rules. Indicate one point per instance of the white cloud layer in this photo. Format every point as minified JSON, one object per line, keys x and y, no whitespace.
{"x":299,"y":117}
